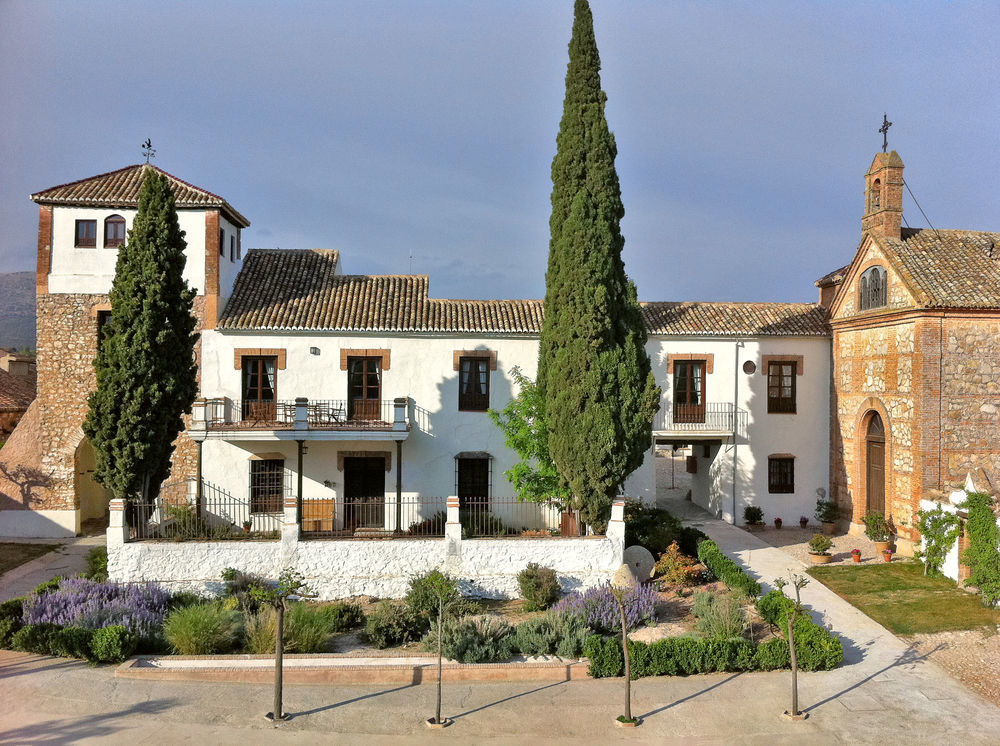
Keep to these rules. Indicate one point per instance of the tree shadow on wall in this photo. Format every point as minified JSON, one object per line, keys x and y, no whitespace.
{"x":26,"y":481}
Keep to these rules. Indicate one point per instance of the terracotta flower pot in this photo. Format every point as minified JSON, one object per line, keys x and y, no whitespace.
{"x":887,"y":555}
{"x":881,"y":546}
{"x":856,"y":556}
{"x":820,"y":559}
{"x":829,"y":527}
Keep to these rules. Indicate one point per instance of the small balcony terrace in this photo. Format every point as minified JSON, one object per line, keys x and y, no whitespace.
{"x":301,"y":419}
{"x":707,"y":421}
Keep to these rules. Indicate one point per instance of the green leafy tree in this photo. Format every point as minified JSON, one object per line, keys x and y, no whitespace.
{"x":939,"y":530}
{"x":983,"y":554}
{"x":594,"y":375}
{"x":146,"y":374}
{"x":522,"y":422}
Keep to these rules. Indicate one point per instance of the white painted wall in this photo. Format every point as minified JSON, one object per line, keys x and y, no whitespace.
{"x":45,"y":524}
{"x":76,"y":270}
{"x":229,"y":265}
{"x":804,"y":434}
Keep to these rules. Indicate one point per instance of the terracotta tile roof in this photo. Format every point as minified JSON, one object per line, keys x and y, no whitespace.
{"x":948,"y":268}
{"x":283,"y":289}
{"x":15,"y":394}
{"x":834,"y":278}
{"x":736,"y":319}
{"x":121,"y":189}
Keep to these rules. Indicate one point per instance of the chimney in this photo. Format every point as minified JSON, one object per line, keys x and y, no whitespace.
{"x":884,"y":196}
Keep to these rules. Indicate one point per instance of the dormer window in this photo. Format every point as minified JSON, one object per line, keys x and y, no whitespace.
{"x":873,"y":289}
{"x":86,"y":234}
{"x":875,"y":199}
{"x":114,"y":232}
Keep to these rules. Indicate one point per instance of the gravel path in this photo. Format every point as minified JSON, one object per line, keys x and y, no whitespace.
{"x":795,"y":541}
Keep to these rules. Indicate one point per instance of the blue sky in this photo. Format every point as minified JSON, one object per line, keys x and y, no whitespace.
{"x":390,"y":128}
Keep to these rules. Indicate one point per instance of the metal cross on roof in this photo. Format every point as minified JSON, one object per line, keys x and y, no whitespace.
{"x":884,"y":129}
{"x":148,"y":150}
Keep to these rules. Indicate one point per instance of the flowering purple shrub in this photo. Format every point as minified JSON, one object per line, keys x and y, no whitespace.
{"x":599,"y":609}
{"x":80,"y":602}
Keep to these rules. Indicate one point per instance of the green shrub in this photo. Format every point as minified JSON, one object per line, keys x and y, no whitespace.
{"x":97,"y":564}
{"x":307,"y":627}
{"x":720,"y":616}
{"x":815,"y":648}
{"x":202,"y":629}
{"x":259,"y":630}
{"x":726,"y":570}
{"x":983,"y":555}
{"x":48,"y":585}
{"x":35,"y":638}
{"x":390,"y":624}
{"x":421,"y":598}
{"x":72,"y":642}
{"x":344,"y":615}
{"x":184,"y":598}
{"x":670,"y":656}
{"x":819,"y":544}
{"x":238,"y":585}
{"x":876,"y":527}
{"x":676,"y":568}
{"x":112,"y":644}
{"x":652,"y":528}
{"x":7,"y":629}
{"x":560,"y":634}
{"x":826,"y":511}
{"x":772,"y":655}
{"x":539,"y":586}
{"x":689,"y":539}
{"x":12,"y":609}
{"x":474,"y":640}
{"x":753,"y":514}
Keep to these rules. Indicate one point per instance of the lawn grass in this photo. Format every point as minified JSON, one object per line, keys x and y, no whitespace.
{"x":12,"y":555}
{"x":900,"y":598}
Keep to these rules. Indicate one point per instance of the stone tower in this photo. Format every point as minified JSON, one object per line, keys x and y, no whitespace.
{"x":884,"y":196}
{"x":80,"y":227}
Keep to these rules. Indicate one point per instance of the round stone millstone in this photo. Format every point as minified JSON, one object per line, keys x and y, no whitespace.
{"x":640,"y":562}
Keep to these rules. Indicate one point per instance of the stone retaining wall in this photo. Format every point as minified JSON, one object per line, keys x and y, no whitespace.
{"x":333,"y":569}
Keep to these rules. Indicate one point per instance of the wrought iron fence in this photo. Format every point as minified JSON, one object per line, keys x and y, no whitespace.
{"x":378,"y":517}
{"x":714,"y":416}
{"x":178,"y":514}
{"x":507,"y":516}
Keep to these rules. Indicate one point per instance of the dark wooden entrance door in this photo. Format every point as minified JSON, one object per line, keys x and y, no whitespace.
{"x":364,"y":492}
{"x":875,"y":461}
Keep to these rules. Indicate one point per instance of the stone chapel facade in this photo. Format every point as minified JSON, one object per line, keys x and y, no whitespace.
{"x":915,"y":395}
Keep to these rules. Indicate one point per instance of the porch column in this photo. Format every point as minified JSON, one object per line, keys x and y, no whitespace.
{"x":399,"y":486}
{"x":301,"y":444}
{"x":301,"y":413}
{"x":198,"y":487}
{"x":399,"y":413}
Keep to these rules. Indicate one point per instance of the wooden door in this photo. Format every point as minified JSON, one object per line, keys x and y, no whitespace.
{"x":689,"y":391}
{"x":875,"y":461}
{"x":364,"y":388}
{"x":364,"y":492}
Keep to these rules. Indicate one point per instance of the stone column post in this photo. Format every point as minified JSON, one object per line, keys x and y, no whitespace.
{"x":301,"y":413}
{"x":399,"y":413}
{"x":117,"y":533}
{"x":289,"y":532}
{"x":616,"y":528}
{"x":453,"y":535}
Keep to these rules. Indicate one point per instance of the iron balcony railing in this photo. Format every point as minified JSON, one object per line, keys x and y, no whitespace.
{"x":708,"y":417}
{"x":223,"y":413}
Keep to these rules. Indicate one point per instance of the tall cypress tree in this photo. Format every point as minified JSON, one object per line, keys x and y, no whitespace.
{"x":146,"y":374}
{"x":599,"y":393}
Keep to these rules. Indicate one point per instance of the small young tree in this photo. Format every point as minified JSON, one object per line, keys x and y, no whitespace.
{"x":798,"y":583}
{"x":522,"y":422}
{"x":939,"y":530}
{"x":444,"y":590}
{"x":622,"y":583}
{"x":146,"y":374}
{"x":290,"y":583}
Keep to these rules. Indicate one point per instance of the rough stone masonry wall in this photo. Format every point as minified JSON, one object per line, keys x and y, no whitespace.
{"x":874,"y":370}
{"x":970,"y":375}
{"x":67,"y":345}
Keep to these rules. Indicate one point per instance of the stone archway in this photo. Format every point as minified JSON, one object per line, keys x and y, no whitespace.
{"x":91,"y":497}
{"x":872,"y":428}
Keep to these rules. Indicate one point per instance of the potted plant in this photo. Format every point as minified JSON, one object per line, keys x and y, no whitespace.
{"x":818,"y":549}
{"x":753,"y":517}
{"x":887,"y":555}
{"x":856,"y":555}
{"x":803,"y":522}
{"x":827,"y":513}
{"x":877,"y":530}
{"x":777,"y":522}
{"x":246,"y":526}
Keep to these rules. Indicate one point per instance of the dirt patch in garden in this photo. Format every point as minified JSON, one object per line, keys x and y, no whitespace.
{"x":971,"y":656}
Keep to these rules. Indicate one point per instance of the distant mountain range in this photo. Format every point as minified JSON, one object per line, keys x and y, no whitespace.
{"x":17,"y":309}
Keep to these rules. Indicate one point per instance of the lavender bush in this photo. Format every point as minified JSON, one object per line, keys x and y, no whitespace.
{"x":600,"y":610}
{"x":79,"y":602}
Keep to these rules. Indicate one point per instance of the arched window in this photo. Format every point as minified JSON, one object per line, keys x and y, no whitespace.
{"x":114,"y":231}
{"x":873,"y":289}
{"x":875,"y":197}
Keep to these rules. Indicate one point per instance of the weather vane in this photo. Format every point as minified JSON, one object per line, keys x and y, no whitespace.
{"x":884,"y":129}
{"x":148,"y":150}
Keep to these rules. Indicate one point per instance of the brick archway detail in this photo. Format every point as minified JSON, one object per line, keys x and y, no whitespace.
{"x":859,"y":491}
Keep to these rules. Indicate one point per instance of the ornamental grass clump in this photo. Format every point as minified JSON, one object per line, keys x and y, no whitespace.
{"x":598,"y":608}
{"x":202,"y":629}
{"x":474,"y":640}
{"x":561,"y":634}
{"x":539,"y":587}
{"x":79,"y":602}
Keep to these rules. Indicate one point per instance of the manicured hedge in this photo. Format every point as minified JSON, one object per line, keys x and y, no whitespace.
{"x":725,"y":569}
{"x":671,"y":656}
{"x":815,"y":648}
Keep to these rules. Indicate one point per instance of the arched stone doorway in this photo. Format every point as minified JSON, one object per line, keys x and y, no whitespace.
{"x":875,"y":465}
{"x":91,"y":496}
